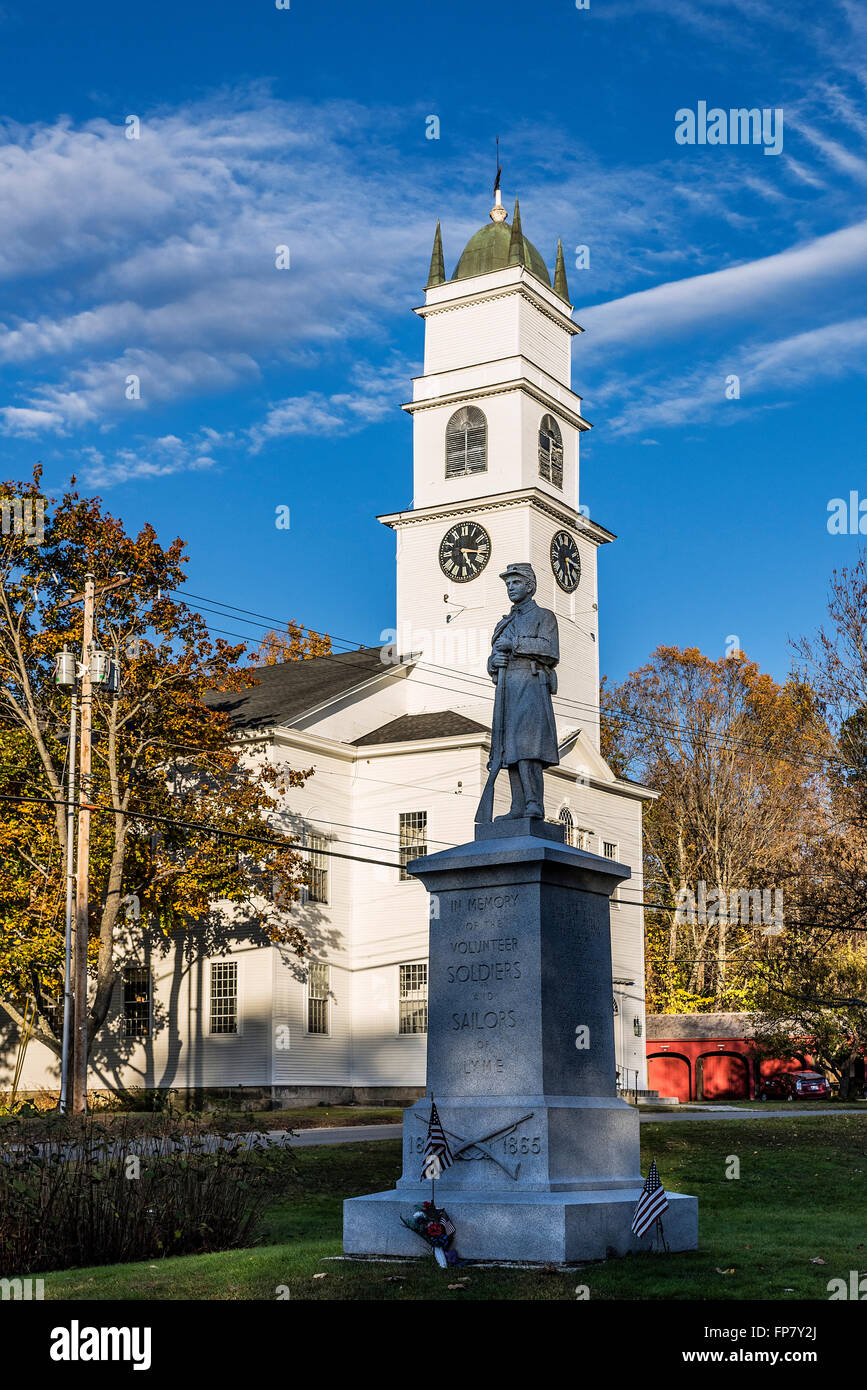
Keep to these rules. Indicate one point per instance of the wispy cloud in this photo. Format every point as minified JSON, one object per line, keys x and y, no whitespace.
{"x":159,"y":459}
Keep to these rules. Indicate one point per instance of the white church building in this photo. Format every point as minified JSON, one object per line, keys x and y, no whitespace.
{"x":399,"y":736}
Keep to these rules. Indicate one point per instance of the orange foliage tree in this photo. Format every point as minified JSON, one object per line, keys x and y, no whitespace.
{"x":295,"y":644}
{"x":737,"y":760}
{"x":167,"y":770}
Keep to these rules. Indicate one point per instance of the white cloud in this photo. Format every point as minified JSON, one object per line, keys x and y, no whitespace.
{"x":19,"y":420}
{"x":158,"y":459}
{"x":774,"y":366}
{"x":748,"y":289}
{"x":376,"y":392}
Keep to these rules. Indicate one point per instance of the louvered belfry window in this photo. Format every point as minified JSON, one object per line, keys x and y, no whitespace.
{"x":466,"y":442}
{"x":550,"y":451}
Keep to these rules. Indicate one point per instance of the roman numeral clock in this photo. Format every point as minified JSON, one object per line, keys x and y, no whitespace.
{"x":465,"y":549}
{"x":565,"y":561}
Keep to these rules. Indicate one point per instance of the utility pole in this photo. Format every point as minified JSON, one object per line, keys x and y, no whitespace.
{"x":82,"y":894}
{"x":70,"y":901}
{"x":94,"y":669}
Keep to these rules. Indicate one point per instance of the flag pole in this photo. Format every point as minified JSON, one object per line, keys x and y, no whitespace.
{"x":432,"y":1161}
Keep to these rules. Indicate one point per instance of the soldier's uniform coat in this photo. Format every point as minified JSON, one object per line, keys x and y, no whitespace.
{"x":530,"y":681}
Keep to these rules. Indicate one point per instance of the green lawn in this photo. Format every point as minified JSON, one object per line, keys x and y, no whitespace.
{"x":800,"y":1196}
{"x":831,"y":1103}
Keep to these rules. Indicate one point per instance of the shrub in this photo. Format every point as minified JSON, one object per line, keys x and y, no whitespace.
{"x":89,"y":1194}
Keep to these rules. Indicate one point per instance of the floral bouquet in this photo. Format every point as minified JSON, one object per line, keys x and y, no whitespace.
{"x":432,"y":1224}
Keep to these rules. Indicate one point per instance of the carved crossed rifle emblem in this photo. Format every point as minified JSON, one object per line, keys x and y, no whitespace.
{"x":466,"y":1146}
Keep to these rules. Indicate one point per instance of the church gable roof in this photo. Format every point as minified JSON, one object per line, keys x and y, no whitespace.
{"x":286,"y":691}
{"x":409,"y":727}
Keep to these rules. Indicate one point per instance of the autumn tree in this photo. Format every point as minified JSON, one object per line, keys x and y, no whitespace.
{"x":295,"y":644}
{"x":171,"y":785}
{"x":733,"y":755}
{"x":815,"y":982}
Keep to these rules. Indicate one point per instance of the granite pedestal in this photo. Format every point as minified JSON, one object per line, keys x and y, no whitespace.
{"x":521,"y":1063}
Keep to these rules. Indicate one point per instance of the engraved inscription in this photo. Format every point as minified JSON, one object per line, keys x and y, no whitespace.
{"x":494,"y":944}
{"x":484,"y":974}
{"x":492,"y":1018}
{"x":522,"y":1145}
{"x":484,"y":902}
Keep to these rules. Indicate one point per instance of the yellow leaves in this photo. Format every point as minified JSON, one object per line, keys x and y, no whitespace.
{"x":295,"y":644}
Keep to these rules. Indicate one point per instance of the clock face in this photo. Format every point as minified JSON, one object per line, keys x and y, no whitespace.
{"x":565,"y":561}
{"x":465,"y":549}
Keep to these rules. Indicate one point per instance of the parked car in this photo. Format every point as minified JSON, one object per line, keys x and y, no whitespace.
{"x":795,"y":1085}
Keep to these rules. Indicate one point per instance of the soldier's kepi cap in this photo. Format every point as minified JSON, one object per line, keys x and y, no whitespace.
{"x":523,"y":572}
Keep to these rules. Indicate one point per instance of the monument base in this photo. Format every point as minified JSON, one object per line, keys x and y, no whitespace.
{"x":538,"y":1227}
{"x":545,"y":1157}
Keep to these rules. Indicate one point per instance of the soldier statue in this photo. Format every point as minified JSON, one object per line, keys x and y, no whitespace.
{"x":524,"y":651}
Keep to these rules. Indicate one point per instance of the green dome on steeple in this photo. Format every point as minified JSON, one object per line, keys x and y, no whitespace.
{"x":497,"y":246}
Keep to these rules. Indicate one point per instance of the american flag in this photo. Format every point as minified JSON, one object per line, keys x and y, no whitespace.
{"x":437,"y":1154}
{"x":651,"y":1204}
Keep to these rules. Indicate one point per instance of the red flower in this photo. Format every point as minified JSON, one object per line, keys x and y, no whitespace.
{"x":426,"y":1206}
{"x":434,"y":1229}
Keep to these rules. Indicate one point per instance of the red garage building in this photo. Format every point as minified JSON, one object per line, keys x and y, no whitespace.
{"x":708,"y":1057}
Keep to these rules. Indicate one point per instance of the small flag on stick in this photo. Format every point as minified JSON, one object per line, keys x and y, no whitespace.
{"x":437,"y":1154}
{"x":651,"y":1204}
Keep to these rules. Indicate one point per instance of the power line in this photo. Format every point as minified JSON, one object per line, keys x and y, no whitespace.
{"x":270,"y":843}
{"x":482,"y":690}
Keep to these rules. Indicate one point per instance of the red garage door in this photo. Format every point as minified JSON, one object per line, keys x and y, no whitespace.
{"x":725,"y":1077}
{"x":669,"y":1075}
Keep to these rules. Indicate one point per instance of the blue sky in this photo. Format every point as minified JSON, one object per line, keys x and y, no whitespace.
{"x":263,"y":388}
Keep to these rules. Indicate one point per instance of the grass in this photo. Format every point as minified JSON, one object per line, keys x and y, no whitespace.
{"x":831,"y":1102}
{"x":800,"y":1197}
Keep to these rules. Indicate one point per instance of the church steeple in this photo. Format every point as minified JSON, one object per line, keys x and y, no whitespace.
{"x":560,"y":285}
{"x":437,"y":273}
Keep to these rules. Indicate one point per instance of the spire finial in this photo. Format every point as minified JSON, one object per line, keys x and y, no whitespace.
{"x":498,"y":212}
{"x":437,"y":273}
{"x":560,"y":285}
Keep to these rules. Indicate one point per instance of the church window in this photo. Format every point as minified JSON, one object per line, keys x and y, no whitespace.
{"x":550,"y":451}
{"x":413,"y":998}
{"x":317,"y":997}
{"x":412,"y":841}
{"x":317,"y":869}
{"x":610,"y":851}
{"x":136,"y":1001}
{"x":568,"y":825}
{"x":224,"y":996}
{"x":466,"y":442}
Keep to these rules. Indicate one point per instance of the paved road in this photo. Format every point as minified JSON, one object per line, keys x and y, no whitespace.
{"x":340,"y":1134}
{"x":355,"y":1133}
